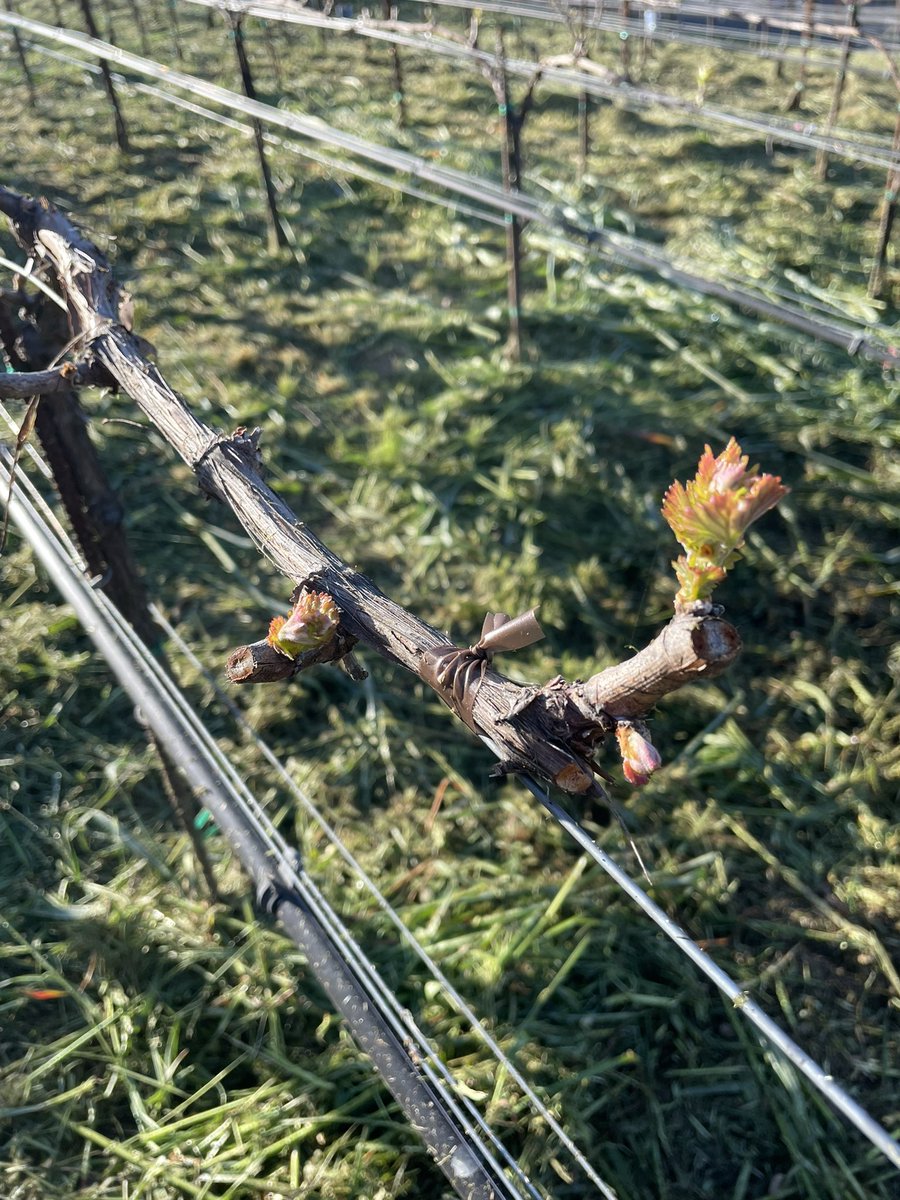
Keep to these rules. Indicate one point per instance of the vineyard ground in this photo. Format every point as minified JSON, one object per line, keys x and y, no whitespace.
{"x":192,"y":1052}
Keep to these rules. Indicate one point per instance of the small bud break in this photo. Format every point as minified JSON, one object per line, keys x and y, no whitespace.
{"x":710,"y":516}
{"x":640,"y":758}
{"x":311,"y":623}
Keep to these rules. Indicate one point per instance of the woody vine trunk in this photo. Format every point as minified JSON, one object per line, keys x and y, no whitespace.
{"x":550,"y":731}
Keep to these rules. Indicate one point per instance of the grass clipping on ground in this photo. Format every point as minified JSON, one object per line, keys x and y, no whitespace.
{"x":154,"y":1045}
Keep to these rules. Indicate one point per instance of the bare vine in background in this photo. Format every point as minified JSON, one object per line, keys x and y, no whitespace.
{"x":553,"y":731}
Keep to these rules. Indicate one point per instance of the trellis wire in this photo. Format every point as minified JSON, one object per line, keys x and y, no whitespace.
{"x":246,"y":803}
{"x":722,"y":980}
{"x":822,"y":1081}
{"x":452,"y":993}
{"x":357,"y":170}
{"x":630,"y":250}
{"x":834,"y":1093}
{"x":177,"y":696}
{"x":608,"y":21}
{"x":773,"y":18}
{"x":273,"y":139}
{"x":859,"y":147}
{"x":860,"y":150}
{"x":871,"y":149}
{"x":470,"y":1167}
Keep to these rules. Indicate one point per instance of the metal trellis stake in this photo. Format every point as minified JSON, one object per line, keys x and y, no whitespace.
{"x":276,"y":233}
{"x":838,"y":94}
{"x":20,"y":54}
{"x":390,"y":14}
{"x":512,"y":121}
{"x":121,"y":131}
{"x":793,"y":101}
{"x":584,"y":132}
{"x":140,"y":26}
{"x":625,"y":40}
{"x":886,"y":219}
{"x":176,"y":29}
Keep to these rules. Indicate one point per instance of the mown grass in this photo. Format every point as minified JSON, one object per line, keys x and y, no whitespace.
{"x":192,"y":1053}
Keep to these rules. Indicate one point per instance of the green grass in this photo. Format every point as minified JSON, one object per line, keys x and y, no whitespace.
{"x":192,"y":1052}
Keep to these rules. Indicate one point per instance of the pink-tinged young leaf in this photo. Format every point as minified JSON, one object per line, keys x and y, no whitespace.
{"x":763,"y":495}
{"x":710,"y":515}
{"x":725,"y":472}
{"x":696,"y":582}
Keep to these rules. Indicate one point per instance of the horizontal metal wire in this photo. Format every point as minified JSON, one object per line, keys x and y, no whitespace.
{"x":340,"y":166}
{"x":870,"y":341}
{"x":336,"y":165}
{"x":281,"y":853}
{"x":470,"y":1163}
{"x":835,"y":1094}
{"x":872,"y":149}
{"x":828,"y":27}
{"x":668,"y":29}
{"x":744,"y":1005}
{"x":177,"y":697}
{"x":452,"y":993}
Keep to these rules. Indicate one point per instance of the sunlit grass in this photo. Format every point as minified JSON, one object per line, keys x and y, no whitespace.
{"x":190,"y":1052}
